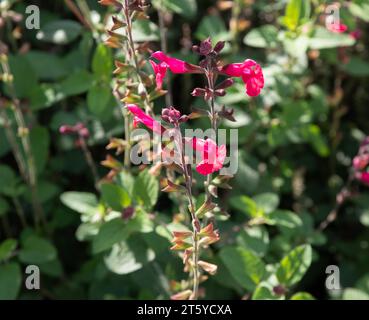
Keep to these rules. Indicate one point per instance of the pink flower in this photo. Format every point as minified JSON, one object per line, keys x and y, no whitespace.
{"x":212,"y":155}
{"x":361,"y":162}
{"x":176,"y":65}
{"x":356,"y":34}
{"x":141,"y":116}
{"x":364,"y":177}
{"x":250,"y":72}
{"x":336,"y":27}
{"x":160,"y":70}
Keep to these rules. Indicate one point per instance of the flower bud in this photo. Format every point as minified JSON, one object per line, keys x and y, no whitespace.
{"x":205,"y":47}
{"x":171,"y":115}
{"x":219,"y":46}
{"x":198,"y":92}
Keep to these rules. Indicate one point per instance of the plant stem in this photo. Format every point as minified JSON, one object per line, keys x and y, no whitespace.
{"x":214,"y":125}
{"x":20,"y":212}
{"x":134,"y":58}
{"x":13,"y":144}
{"x":23,"y":130}
{"x":164,"y":47}
{"x":196,"y":226}
{"x":90,"y":161}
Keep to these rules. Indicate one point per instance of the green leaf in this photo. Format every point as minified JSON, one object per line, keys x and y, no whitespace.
{"x":324,"y":39}
{"x":255,"y":239}
{"x":356,"y":67}
{"x":102,"y":62}
{"x":82,"y":202}
{"x":354,"y":294}
{"x":10,"y":281}
{"x":263,"y":37}
{"x":313,"y":135}
{"x":40,"y":141}
{"x":110,"y":233}
{"x":60,"y":32}
{"x":37,"y":250}
{"x":146,"y":189}
{"x":246,"y":205}
{"x":286,"y":219}
{"x":297,"y":11}
{"x":118,"y":230}
{"x":128,"y":257}
{"x":267,"y":202}
{"x":115,"y":196}
{"x":145,"y":30}
{"x":360,"y":10}
{"x":186,"y":8}
{"x":264,"y":291}
{"x":302,"y":296}
{"x":212,"y":26}
{"x":7,"y":247}
{"x":4,"y":206}
{"x":77,"y":83}
{"x":294,"y":265}
{"x":7,"y":178}
{"x":244,"y":266}
{"x":25,"y":79}
{"x":47,"y":66}
{"x":98,"y":98}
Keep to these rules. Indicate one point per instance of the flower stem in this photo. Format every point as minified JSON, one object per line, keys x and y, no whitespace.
{"x":133,"y":56}
{"x":90,"y":161}
{"x":23,"y":130}
{"x":196,"y":226}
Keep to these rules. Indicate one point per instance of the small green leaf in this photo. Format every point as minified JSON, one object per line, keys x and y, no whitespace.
{"x":186,"y":8}
{"x":10,"y":281}
{"x":128,"y":257}
{"x":146,"y":189}
{"x":324,"y":39}
{"x":82,"y":202}
{"x":47,"y":66}
{"x":245,"y":267}
{"x":98,"y":98}
{"x":294,"y":265}
{"x":302,"y":296}
{"x":115,"y":196}
{"x":145,"y":30}
{"x":212,"y":26}
{"x":60,"y":32}
{"x":354,"y":294}
{"x":40,"y":142}
{"x":7,"y":178}
{"x":267,"y":202}
{"x":6,"y":248}
{"x":77,"y":83}
{"x":264,"y":292}
{"x":102,"y":62}
{"x":263,"y":37}
{"x":247,"y":206}
{"x":4,"y":206}
{"x":37,"y":250}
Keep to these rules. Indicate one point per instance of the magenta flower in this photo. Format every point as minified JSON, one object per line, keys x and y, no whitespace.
{"x":160,"y":70}
{"x":141,"y":117}
{"x":336,"y":27}
{"x":251,"y":74}
{"x":212,"y":155}
{"x":364,"y":177}
{"x":176,"y":65}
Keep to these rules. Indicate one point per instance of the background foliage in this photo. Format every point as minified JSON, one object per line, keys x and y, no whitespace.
{"x":296,"y":143}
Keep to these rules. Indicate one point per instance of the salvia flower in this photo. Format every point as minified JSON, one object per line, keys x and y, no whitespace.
{"x":250,"y":72}
{"x":141,"y":117}
{"x":160,"y":70}
{"x":212,"y":156}
{"x":336,"y":27}
{"x":176,"y":65}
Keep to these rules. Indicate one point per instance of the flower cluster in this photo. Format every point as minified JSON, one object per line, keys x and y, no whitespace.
{"x":212,"y":156}
{"x":361,"y":163}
